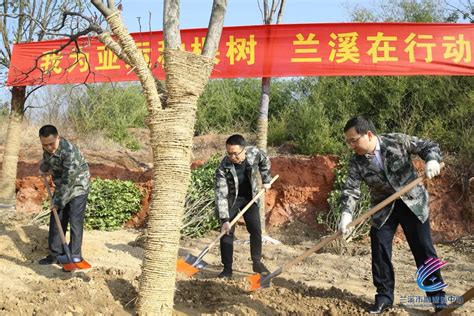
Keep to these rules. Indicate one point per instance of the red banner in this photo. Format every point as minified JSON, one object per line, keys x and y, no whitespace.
{"x":266,"y":51}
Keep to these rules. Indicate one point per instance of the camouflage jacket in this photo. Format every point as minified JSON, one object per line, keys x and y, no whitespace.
{"x":70,"y":172}
{"x":227,"y":184}
{"x":396,"y":150}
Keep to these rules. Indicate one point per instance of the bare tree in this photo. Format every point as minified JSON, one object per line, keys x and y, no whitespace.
{"x":171,"y":124}
{"x":23,"y":21}
{"x":268,"y":13}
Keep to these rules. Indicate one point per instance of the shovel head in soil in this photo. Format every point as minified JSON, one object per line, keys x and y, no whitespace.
{"x":261,"y":281}
{"x":76,"y":264}
{"x":190,"y":265}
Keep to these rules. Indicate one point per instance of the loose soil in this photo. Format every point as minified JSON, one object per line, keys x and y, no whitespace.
{"x":326,"y":283}
{"x":336,"y":281}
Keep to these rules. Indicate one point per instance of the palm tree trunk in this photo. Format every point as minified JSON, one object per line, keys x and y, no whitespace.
{"x":172,"y":134}
{"x":262,"y":136}
{"x":262,"y":122}
{"x":12,"y":149}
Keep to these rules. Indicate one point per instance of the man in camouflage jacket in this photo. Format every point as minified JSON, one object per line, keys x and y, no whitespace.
{"x":384,"y":163}
{"x":235,"y":187}
{"x":70,"y":174}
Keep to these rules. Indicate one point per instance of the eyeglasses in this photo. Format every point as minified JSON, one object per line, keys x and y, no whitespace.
{"x":353,"y":141}
{"x":235,"y":154}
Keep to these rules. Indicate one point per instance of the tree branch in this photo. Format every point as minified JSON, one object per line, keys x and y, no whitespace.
{"x":109,"y":42}
{"x":214,"y":30}
{"x":102,"y":8}
{"x":280,"y":12}
{"x":171,"y":34}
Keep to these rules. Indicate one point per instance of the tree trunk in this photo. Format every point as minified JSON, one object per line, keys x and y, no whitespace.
{"x":12,"y":149}
{"x":262,"y":135}
{"x":172,"y":129}
{"x":172,"y":136}
{"x":262,"y":122}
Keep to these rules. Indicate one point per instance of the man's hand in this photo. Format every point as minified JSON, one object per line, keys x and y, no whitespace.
{"x":346,"y":218}
{"x":225,"y":228}
{"x":432,"y":169}
{"x":267,"y":186}
{"x":54,"y":207}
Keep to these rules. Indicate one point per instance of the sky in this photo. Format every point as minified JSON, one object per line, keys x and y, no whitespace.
{"x":195,"y":13}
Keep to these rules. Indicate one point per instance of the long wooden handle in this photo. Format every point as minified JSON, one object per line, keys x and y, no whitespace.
{"x":357,"y":221}
{"x":55,"y":214}
{"x":466,"y":297}
{"x":241,"y":213}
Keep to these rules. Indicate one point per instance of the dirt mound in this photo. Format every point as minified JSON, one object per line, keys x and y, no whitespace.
{"x":323,"y":284}
{"x":299,"y":194}
{"x":301,"y":191}
{"x":282,"y":298}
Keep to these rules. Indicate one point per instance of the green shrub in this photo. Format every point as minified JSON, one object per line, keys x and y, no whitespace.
{"x":109,"y":109}
{"x":311,"y":131}
{"x":332,"y":218}
{"x":199,"y":216}
{"x":111,"y":203}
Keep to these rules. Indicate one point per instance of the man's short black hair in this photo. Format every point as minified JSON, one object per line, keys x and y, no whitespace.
{"x":361,"y":124}
{"x":48,"y":130}
{"x":236,"y":139}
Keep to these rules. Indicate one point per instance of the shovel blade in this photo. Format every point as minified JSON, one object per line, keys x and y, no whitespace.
{"x":186,"y":268}
{"x":190,"y":265}
{"x":81,"y":265}
{"x":258,"y":281}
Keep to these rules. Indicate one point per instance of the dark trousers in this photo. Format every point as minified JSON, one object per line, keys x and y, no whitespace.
{"x":252,"y":222}
{"x":73,"y":213}
{"x":418,"y":236}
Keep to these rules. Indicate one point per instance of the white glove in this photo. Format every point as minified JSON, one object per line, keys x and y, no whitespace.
{"x":346,"y":218}
{"x":267,"y":186}
{"x":432,"y":169}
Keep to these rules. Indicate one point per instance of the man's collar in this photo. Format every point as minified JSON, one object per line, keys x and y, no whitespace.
{"x":377,"y":148}
{"x":377,"y":145}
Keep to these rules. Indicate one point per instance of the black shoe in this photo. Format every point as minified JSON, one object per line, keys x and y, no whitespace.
{"x":226,"y":274}
{"x":380,"y":307}
{"x":48,"y":260}
{"x":259,"y":267}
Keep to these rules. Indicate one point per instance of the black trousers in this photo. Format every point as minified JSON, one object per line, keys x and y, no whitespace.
{"x":73,"y":213}
{"x":252,"y":222}
{"x":418,"y":236}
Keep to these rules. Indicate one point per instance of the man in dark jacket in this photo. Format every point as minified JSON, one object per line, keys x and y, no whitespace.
{"x":71,"y":178}
{"x":384,"y":163}
{"x":236,"y":185}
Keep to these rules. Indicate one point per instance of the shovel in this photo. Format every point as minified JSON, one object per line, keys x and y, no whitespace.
{"x":67,"y":260}
{"x":450,"y":308}
{"x":191,"y":265}
{"x":258,"y":281}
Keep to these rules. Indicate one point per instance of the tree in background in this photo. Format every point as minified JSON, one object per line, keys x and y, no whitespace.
{"x":171,"y":121}
{"x":23,"y":21}
{"x":268,"y":14}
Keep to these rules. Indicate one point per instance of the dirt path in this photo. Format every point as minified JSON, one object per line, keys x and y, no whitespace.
{"x":326,"y":283}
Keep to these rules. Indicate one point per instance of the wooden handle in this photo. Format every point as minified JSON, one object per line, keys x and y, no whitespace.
{"x":358,"y":220}
{"x":239,"y":215}
{"x":466,"y":297}
{"x":55,"y":214}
